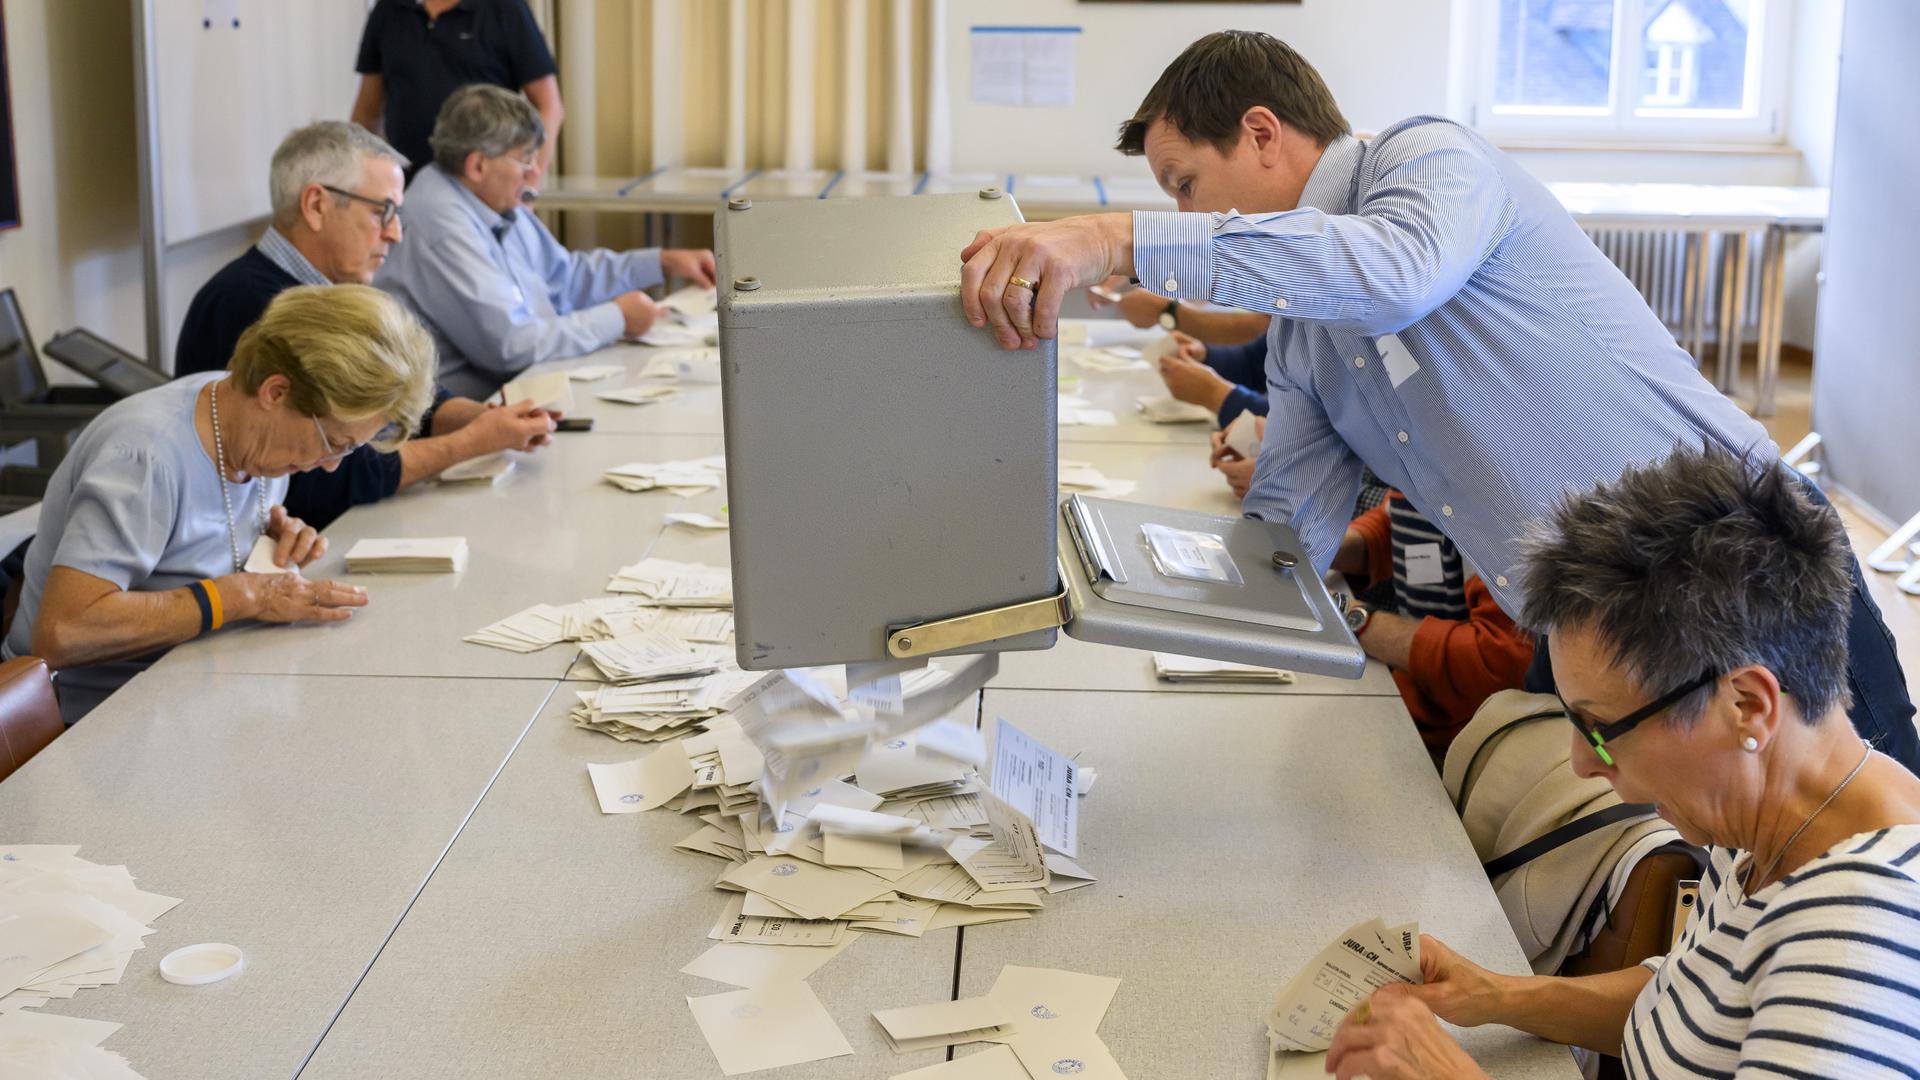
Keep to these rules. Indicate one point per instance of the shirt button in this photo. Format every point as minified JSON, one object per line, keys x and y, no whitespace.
{"x":1359,"y":361}
{"x":1403,"y":436}
{"x":1172,"y":285}
{"x":1279,"y":303}
{"x":1446,"y":511}
{"x":1501,"y":581}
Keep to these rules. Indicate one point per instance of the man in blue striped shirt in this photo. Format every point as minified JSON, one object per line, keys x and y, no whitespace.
{"x":1438,"y":317}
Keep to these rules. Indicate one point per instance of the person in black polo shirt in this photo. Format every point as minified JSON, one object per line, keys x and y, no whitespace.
{"x":336,"y":191}
{"x":415,"y":53}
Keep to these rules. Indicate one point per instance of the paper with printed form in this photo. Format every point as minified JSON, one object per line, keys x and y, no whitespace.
{"x":1365,"y":957}
{"x":1014,"y":860}
{"x":482,"y":470}
{"x":1039,"y":783}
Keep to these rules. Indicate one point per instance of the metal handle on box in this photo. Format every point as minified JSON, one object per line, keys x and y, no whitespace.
{"x":959,"y":631}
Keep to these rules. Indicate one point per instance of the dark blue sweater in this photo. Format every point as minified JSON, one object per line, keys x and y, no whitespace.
{"x":225,"y":306}
{"x":1245,"y":366}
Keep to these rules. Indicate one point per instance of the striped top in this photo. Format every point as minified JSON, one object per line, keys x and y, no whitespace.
{"x":1441,"y":318}
{"x":1438,"y":586}
{"x":1817,"y":975}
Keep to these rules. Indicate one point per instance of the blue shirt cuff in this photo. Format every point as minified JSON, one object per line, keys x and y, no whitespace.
{"x":1173,"y":254}
{"x":608,"y":322}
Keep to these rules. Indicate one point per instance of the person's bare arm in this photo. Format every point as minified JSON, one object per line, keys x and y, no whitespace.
{"x":1388,"y":638}
{"x":454,"y":414}
{"x":545,"y":95}
{"x":485,"y":430}
{"x":1222,"y":326}
{"x":83,"y":619}
{"x":370,"y":105}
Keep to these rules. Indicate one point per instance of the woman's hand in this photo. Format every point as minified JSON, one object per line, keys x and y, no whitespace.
{"x":1399,"y":1040}
{"x":1458,"y":990}
{"x":295,"y":540}
{"x":1239,"y":473}
{"x":1193,"y":382}
{"x":290,"y":598}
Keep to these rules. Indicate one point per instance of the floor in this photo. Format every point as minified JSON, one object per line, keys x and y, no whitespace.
{"x":1790,"y":423}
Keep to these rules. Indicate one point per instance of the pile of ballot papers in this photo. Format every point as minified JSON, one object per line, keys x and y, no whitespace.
{"x":66,"y":925}
{"x":1162,"y":409}
{"x":1081,"y":477}
{"x":666,"y":583}
{"x":850,"y":805}
{"x":680,"y":477}
{"x":414,"y":555}
{"x":481,"y":470}
{"x":1075,"y":410}
{"x":688,"y":317}
{"x":1109,"y":360}
{"x":1172,"y":667}
{"x":1309,"y":1009}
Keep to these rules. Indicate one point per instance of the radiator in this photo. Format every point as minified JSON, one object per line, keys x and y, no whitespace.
{"x":1656,"y":263}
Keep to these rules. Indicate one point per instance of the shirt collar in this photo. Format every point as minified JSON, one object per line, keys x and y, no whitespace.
{"x":492,"y":220}
{"x":1329,"y":187}
{"x":280,"y":251}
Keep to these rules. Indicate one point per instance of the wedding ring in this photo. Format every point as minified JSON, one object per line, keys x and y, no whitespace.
{"x":1019,"y":282}
{"x":1362,"y":1013}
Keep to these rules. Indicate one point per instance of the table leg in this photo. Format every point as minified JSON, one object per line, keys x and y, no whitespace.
{"x":1772,"y":315}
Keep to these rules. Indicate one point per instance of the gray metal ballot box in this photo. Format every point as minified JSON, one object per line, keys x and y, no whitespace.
{"x":892,"y":478}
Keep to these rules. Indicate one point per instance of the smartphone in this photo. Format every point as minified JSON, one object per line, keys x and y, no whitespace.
{"x":573,"y":423}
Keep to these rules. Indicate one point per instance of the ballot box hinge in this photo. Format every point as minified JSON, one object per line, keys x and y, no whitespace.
{"x":959,"y":631}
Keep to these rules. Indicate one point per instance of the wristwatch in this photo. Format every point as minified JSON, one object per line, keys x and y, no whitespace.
{"x":1358,"y":615}
{"x":1170,"y":316}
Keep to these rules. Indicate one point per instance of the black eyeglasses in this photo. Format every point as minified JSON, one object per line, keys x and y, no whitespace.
{"x":388,"y":208}
{"x":1600,"y":733}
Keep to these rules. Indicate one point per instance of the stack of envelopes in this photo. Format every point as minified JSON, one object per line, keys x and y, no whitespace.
{"x":1047,"y":1021}
{"x":1172,"y":667}
{"x":666,"y":583}
{"x":692,"y":477}
{"x":414,"y":555}
{"x":646,"y":656}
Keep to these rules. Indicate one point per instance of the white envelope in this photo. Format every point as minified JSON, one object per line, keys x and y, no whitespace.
{"x":998,"y":1063}
{"x":741,"y":964}
{"x":628,"y":787}
{"x":552,"y":390}
{"x":260,"y":560}
{"x":944,"y":1023}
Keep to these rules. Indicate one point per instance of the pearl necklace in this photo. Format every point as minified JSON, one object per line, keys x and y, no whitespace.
{"x":226,"y":496}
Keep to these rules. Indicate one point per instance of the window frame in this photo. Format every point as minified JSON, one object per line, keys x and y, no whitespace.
{"x":1621,"y":120}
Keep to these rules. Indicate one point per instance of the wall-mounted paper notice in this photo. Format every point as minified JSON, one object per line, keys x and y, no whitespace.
{"x":1023,"y":66}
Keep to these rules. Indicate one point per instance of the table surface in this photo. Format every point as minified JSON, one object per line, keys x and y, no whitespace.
{"x":295,"y":817}
{"x":500,"y":924}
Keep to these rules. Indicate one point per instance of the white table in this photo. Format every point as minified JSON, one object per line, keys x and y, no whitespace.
{"x":296,"y":818}
{"x":1234,"y":836}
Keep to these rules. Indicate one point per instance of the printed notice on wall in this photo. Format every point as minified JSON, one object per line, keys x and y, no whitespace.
{"x":1023,"y":66}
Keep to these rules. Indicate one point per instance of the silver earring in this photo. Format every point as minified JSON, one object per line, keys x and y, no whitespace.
{"x":1751,"y":744}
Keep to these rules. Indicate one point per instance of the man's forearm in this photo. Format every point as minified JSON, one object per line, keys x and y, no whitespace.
{"x":422,"y":459}
{"x":1389,"y":639}
{"x":1222,"y":327}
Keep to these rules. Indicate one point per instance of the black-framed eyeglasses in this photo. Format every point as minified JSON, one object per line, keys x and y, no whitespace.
{"x":1600,"y":733}
{"x":388,"y":208}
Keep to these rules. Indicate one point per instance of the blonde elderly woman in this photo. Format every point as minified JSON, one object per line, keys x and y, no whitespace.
{"x":149,"y":522}
{"x":1698,"y":610}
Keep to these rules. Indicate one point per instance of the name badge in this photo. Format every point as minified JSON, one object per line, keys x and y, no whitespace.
{"x":1423,"y":565}
{"x":1399,"y":363}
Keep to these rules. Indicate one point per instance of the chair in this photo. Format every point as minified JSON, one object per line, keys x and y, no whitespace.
{"x":29,"y":715}
{"x":50,"y":415}
{"x":1641,"y":925}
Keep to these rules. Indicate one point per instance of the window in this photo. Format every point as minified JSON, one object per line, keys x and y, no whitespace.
{"x":1637,"y":69}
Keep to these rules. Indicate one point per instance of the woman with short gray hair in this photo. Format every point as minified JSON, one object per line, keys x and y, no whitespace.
{"x":1698,"y":611}
{"x":149,"y":531}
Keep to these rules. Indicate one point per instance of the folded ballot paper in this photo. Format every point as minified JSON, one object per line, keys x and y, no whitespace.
{"x":66,"y":925}
{"x":552,"y":390}
{"x":666,"y":583}
{"x":1109,"y":360}
{"x":1162,"y":409}
{"x":260,"y":560}
{"x":1075,"y":410}
{"x":638,"y":395}
{"x":1172,"y":667}
{"x":1240,"y":436}
{"x":1081,"y":477}
{"x":1364,"y":958}
{"x":680,"y":477}
{"x":700,"y":365}
{"x":412,"y":555}
{"x":484,"y":469}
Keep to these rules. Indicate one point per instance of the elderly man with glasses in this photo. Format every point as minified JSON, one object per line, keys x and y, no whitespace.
{"x":336,"y":191}
{"x":498,"y":291}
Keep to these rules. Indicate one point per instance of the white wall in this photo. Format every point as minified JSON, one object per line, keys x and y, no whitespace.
{"x":1384,"y":60}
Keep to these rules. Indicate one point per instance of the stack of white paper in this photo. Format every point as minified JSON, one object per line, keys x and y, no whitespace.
{"x":1162,"y":409}
{"x":680,"y":477}
{"x":649,"y":656}
{"x":638,"y":395}
{"x":663,"y":709}
{"x":421,"y":555}
{"x":666,"y":583}
{"x":527,"y":631}
{"x":692,"y":333}
{"x":1082,"y":477}
{"x":1113,"y":358}
{"x":693,"y":301}
{"x":594,"y":372}
{"x":1173,"y":667}
{"x":1364,"y":958}
{"x":481,"y":470}
{"x":1076,"y":410}
{"x":552,"y":390}
{"x":66,"y":925}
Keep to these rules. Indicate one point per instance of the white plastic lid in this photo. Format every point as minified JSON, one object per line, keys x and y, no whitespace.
{"x":196,"y":965}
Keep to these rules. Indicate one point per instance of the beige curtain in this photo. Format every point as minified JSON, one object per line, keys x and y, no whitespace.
{"x":605,"y":47}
